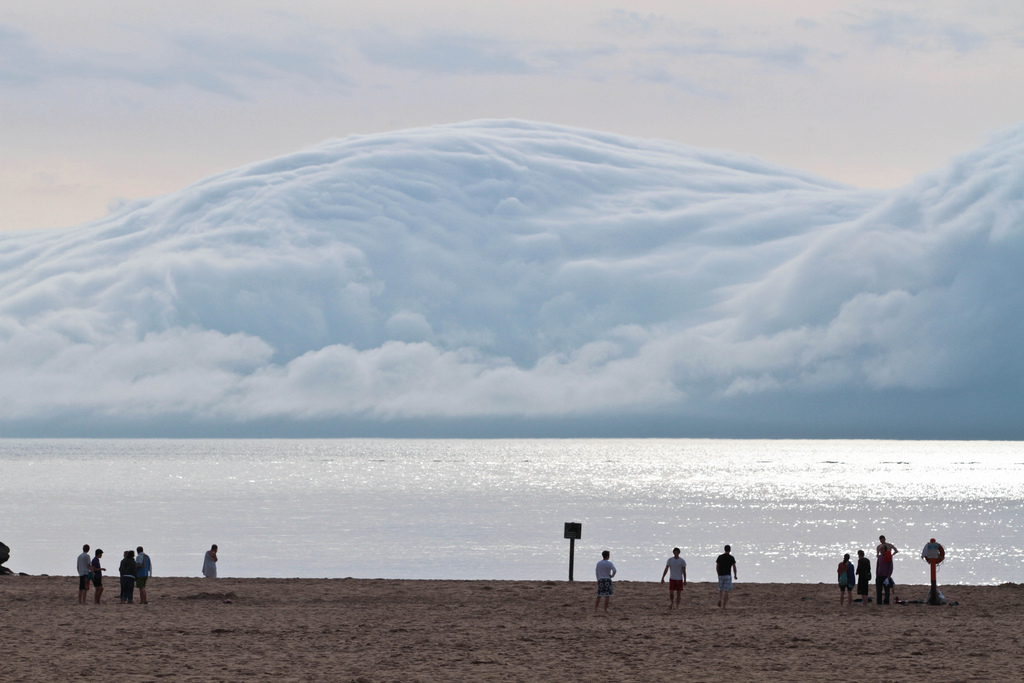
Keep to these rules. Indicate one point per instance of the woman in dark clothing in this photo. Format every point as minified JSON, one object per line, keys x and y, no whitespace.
{"x":863,"y":577}
{"x":127,"y":568}
{"x":844,"y":580}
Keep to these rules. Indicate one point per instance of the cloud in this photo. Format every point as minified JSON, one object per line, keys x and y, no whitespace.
{"x":21,"y":59}
{"x":788,"y":57}
{"x":449,"y":53}
{"x":444,"y":53}
{"x":632,"y":23}
{"x":522,"y":271}
{"x":222,"y":63}
{"x":913,"y":32}
{"x":662,"y":76}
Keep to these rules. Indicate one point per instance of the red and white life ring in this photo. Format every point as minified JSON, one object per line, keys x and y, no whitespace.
{"x":940,"y":552}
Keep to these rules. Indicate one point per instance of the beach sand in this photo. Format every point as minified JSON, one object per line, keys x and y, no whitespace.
{"x":387,"y":630}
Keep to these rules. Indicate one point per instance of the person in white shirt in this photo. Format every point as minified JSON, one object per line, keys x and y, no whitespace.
{"x":676,"y":580}
{"x":84,"y":569}
{"x":605,"y":570}
{"x":210,"y":563}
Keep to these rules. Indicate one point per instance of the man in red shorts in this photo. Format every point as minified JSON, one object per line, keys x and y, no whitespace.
{"x":676,"y":579}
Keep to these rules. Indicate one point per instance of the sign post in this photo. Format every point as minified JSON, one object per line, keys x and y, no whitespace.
{"x":933,"y":554}
{"x":573,"y":530}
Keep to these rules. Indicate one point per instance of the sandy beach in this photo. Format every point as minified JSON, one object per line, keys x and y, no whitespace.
{"x":388,"y":630}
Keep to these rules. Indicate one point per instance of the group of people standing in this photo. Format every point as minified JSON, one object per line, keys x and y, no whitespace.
{"x":135,"y":569}
{"x":675,"y":569}
{"x":861,"y":576}
{"x":726,"y":569}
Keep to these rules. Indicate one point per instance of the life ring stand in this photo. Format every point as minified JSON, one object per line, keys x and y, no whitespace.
{"x":940,"y":558}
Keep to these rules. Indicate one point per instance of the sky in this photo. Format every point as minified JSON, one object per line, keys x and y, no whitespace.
{"x":104,"y":102}
{"x":521,"y":218}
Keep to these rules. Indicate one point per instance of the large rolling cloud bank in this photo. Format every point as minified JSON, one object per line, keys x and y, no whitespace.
{"x":518,"y":278}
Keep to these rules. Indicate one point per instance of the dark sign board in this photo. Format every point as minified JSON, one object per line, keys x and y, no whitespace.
{"x":573,"y":530}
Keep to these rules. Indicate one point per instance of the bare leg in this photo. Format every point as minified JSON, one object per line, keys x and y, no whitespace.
{"x":597,"y":603}
{"x":99,"y":592}
{"x":606,"y":603}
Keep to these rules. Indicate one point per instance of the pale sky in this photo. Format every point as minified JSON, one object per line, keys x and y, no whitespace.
{"x":104,"y":101}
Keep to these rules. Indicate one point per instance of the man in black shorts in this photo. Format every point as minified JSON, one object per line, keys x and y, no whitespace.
{"x":97,"y":574}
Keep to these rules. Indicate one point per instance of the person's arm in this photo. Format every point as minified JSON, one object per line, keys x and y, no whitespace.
{"x":663,"y":574}
{"x":735,"y":575}
{"x":894,"y":549}
{"x":684,"y":574}
{"x":614,"y":571}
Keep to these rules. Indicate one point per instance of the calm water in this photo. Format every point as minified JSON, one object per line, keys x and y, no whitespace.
{"x":495,"y":509}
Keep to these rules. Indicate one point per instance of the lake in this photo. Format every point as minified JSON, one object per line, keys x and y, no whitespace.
{"x":461,"y":509}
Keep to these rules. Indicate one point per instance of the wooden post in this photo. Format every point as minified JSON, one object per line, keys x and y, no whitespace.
{"x":572,"y":556}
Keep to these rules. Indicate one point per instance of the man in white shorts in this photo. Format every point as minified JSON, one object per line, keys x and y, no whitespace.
{"x":676,"y":580}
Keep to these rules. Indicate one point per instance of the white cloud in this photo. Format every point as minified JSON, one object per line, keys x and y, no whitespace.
{"x":220,"y":63}
{"x":444,"y":53}
{"x":916,"y":32}
{"x":522,"y":271}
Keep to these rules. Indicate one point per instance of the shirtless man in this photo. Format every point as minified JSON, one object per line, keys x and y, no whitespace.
{"x":883,"y":570}
{"x":676,"y":580}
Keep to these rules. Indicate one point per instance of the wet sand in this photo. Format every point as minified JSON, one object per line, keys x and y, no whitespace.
{"x":406,"y":631}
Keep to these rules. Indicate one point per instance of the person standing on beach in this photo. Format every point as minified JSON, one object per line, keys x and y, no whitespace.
{"x":883,"y":569}
{"x":210,"y":563}
{"x":863,"y":577}
{"x":97,"y":575}
{"x":676,"y":580}
{"x":723,"y":564}
{"x":143,"y":570}
{"x":127,"y":570}
{"x":605,"y":570}
{"x":845,"y":572}
{"x":84,"y":569}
